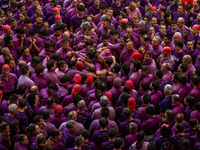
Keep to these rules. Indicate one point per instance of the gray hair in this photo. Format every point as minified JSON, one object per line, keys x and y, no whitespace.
{"x":81,"y":104}
{"x":4,"y":51}
{"x":104,"y":101}
{"x":12,"y":108}
{"x":133,"y":127}
{"x":168,"y":89}
{"x":72,"y":114}
{"x":167,"y":66}
{"x":182,"y":19}
{"x":104,"y":16}
{"x":142,"y":23}
{"x":70,"y":123}
{"x":34,"y":88}
{"x":178,"y":34}
{"x":188,"y":58}
{"x":85,"y":23}
{"x":158,"y":39}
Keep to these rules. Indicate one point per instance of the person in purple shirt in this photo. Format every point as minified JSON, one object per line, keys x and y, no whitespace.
{"x":79,"y":142}
{"x":109,"y":145}
{"x":57,"y":34}
{"x":34,"y":43}
{"x":192,"y":52}
{"x":5,"y":131}
{"x":22,"y":16}
{"x":102,"y":8}
{"x":87,"y":145}
{"x":57,"y":139}
{"x":8,"y":81}
{"x":46,"y":52}
{"x":8,"y":117}
{"x":177,"y":106}
{"x":28,"y":26}
{"x":114,"y":36}
{"x":21,"y":116}
{"x":132,"y":137}
{"x":34,"y":62}
{"x":47,"y":92}
{"x":66,"y":36}
{"x":9,"y":15}
{"x":117,"y":6}
{"x":195,"y":80}
{"x":173,"y":28}
{"x":145,"y":44}
{"x":49,"y":106}
{"x":149,"y":62}
{"x":180,"y":13}
{"x":11,"y":46}
{"x":20,"y":7}
{"x":94,"y":10}
{"x":38,"y":24}
{"x":31,"y":9}
{"x":22,"y":142}
{"x":162,"y":81}
{"x":166,"y":103}
{"x":189,"y":102}
{"x":38,"y":11}
{"x":76,"y":20}
{"x":32,"y":109}
{"x":68,"y":138}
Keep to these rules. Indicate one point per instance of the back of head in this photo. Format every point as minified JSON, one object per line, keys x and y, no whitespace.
{"x":105,"y":112}
{"x":126,"y":112}
{"x":78,"y":140}
{"x":140,"y":138}
{"x":118,"y":142}
{"x":85,"y":134}
{"x":103,"y":122}
{"x":146,"y":98}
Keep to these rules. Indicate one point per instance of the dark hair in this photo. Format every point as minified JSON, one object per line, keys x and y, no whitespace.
{"x":21,"y":138}
{"x":97,"y":82}
{"x":13,"y":98}
{"x":179,"y":44}
{"x":102,"y":6}
{"x":30,"y":129}
{"x":118,"y":142}
{"x":124,"y":98}
{"x":151,"y":110}
{"x":102,"y":86}
{"x":140,"y":138}
{"x":21,"y":89}
{"x":109,"y":61}
{"x":37,"y":118}
{"x":64,"y":78}
{"x":195,"y":80}
{"x":23,"y":48}
{"x":46,"y":114}
{"x":50,"y":100}
{"x":155,"y":85}
{"x":31,"y":98}
{"x":150,"y":53}
{"x":22,"y":103}
{"x":27,"y":20}
{"x":54,"y":133}
{"x":113,"y":32}
{"x":127,"y":112}
{"x":80,"y":7}
{"x":32,"y":32}
{"x":146,"y":98}
{"x":39,"y":69}
{"x":197,"y":106}
{"x":76,"y":98}
{"x":85,"y":134}
{"x":151,"y":146}
{"x":105,"y":37}
{"x":144,"y":85}
{"x":98,"y":93}
{"x":53,"y":86}
{"x":71,"y":63}
{"x":126,"y":68}
{"x":186,"y":145}
{"x":103,"y":122}
{"x":123,"y":38}
{"x":137,"y":65}
{"x":24,"y":69}
{"x":169,"y":36}
{"x":13,"y":128}
{"x":184,"y":67}
{"x":36,"y":60}
{"x":7,"y":39}
{"x":190,"y":100}
{"x":182,"y":79}
{"x":43,"y":32}
{"x":159,"y":74}
{"x":165,"y":132}
{"x":105,"y":112}
{"x":50,"y":64}
{"x":112,"y":132}
{"x":20,"y":30}
{"x":56,"y":28}
{"x":19,"y":5}
{"x":126,"y":89}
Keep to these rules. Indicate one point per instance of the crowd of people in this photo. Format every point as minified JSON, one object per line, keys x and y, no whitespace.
{"x":99,"y":75}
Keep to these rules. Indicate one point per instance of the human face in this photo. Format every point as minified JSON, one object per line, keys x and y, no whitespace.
{"x":191,"y":10}
{"x":151,"y":30}
{"x":50,"y":48}
{"x":122,"y":43}
{"x":11,"y":43}
{"x":118,"y":2}
{"x":7,"y":129}
{"x":179,"y":2}
{"x":22,"y":17}
{"x":29,"y":25}
{"x":110,"y":12}
{"x":86,"y":38}
{"x":195,"y":4}
{"x":100,"y":58}
{"x":13,"y":24}
{"x":163,"y":29}
{"x":141,"y":27}
{"x":194,"y":31}
{"x":146,"y":20}
{"x":73,"y":128}
{"x":186,"y":33}
{"x":25,"y":141}
{"x":59,"y":137}
{"x":129,"y":33}
{"x":81,"y":13}
{"x":58,"y":22}
{"x":39,"y":20}
{"x":36,"y":3}
{"x":103,"y":11}
{"x":174,"y":26}
{"x":96,"y":3}
{"x":88,"y":32}
{"x":136,"y":23}
{"x":12,"y":63}
{"x":198,"y":17}
{"x":147,"y":57}
{"x":115,"y":36}
{"x":179,"y":23}
{"x":169,"y":18}
{"x":153,"y":12}
{"x":143,"y":42}
{"x":132,"y":7}
{"x":2,"y":14}
{"x":165,"y":54}
{"x":8,"y":32}
{"x":75,"y":3}
{"x":46,"y":26}
{"x":155,"y":42}
{"x":89,"y":19}
{"x":190,"y":45}
{"x":39,"y":11}
{"x":180,"y":9}
{"x":130,"y":46}
{"x":37,"y":129}
{"x":138,"y":4}
{"x":6,"y":73}
{"x":66,"y":46}
{"x":105,"y":42}
{"x":57,"y":32}
{"x":10,"y":16}
{"x":105,"y":24}
{"x":26,"y":52}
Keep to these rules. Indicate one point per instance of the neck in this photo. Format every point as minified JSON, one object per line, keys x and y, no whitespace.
{"x":81,"y":111}
{"x":181,"y":133}
{"x":21,"y":96}
{"x":21,"y":109}
{"x":103,"y":129}
{"x":35,"y":104}
{"x":85,"y":140}
{"x":129,"y":118}
{"x":78,"y":147}
{"x":167,"y":95}
{"x":111,"y":139}
{"x":153,"y":116}
{"x":12,"y":115}
{"x":26,"y":28}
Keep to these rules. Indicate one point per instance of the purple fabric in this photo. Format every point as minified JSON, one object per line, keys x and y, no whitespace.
{"x":50,"y":76}
{"x":57,"y":120}
{"x":68,"y":139}
{"x":23,"y":79}
{"x":39,"y":81}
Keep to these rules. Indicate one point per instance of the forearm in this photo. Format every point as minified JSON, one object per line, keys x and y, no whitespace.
{"x":71,"y":28}
{"x":88,"y":65}
{"x":36,"y":48}
{"x":30,"y":46}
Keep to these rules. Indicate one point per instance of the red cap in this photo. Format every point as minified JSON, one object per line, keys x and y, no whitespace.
{"x":108,"y":95}
{"x":124,"y":21}
{"x":196,"y":26}
{"x":130,"y":84}
{"x":1,"y":93}
{"x":89,"y":80}
{"x":56,"y":9}
{"x":6,"y":28}
{"x":163,"y":8}
{"x":167,"y":50}
{"x":58,"y":110}
{"x":79,"y":65}
{"x":136,"y":55}
{"x":5,"y":67}
{"x":131,"y":103}
{"x":77,"y":78}
{"x":76,"y":89}
{"x":108,"y":51}
{"x":153,"y":8}
{"x":58,"y":17}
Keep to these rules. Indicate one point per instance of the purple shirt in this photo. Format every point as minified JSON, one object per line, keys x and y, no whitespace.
{"x":37,"y":27}
{"x":23,"y":79}
{"x":195,"y":92}
{"x":187,"y":113}
{"x":27,"y":59}
{"x":156,"y":97}
{"x":129,"y":140}
{"x":31,"y":112}
{"x":22,"y":119}
{"x":178,"y":108}
{"x":125,"y":56}
{"x":165,"y":104}
{"x":10,"y":85}
{"x":62,"y":54}
{"x":152,"y":66}
{"x":71,"y":73}
{"x":76,"y":21}
{"x":93,"y":10}
{"x":100,"y":136}
{"x":57,"y":120}
{"x":162,"y":84}
{"x":184,"y":15}
{"x":7,"y":118}
{"x":39,"y":43}
{"x":84,"y":119}
{"x":68,"y":139}
{"x":61,"y":93}
{"x":44,"y":94}
{"x":88,"y":146}
{"x":178,"y":58}
{"x":117,"y":9}
{"x":44,"y":53}
{"x":39,"y":81}
{"x":50,"y":76}
{"x":184,"y":91}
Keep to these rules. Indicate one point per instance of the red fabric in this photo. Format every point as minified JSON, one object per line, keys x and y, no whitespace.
{"x":56,"y":9}
{"x":76,"y":89}
{"x":79,"y":65}
{"x":131,"y":103}
{"x":108,"y":51}
{"x":5,"y":67}
{"x":89,"y":80}
{"x":136,"y":55}
{"x":6,"y":28}
{"x":58,"y":17}
{"x":77,"y":78}
{"x":153,"y":8}
{"x":108,"y":95}
{"x":187,"y":2}
{"x":58,"y":110}
{"x":163,"y":9}
{"x":1,"y":93}
{"x":167,"y":50}
{"x":130,"y":84}
{"x":196,"y":26}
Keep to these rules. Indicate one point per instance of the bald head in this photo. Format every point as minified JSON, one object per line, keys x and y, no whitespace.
{"x":187,"y":59}
{"x":66,"y":35}
{"x":81,"y":104}
{"x":72,"y":115}
{"x":34,"y":89}
{"x":21,"y":63}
